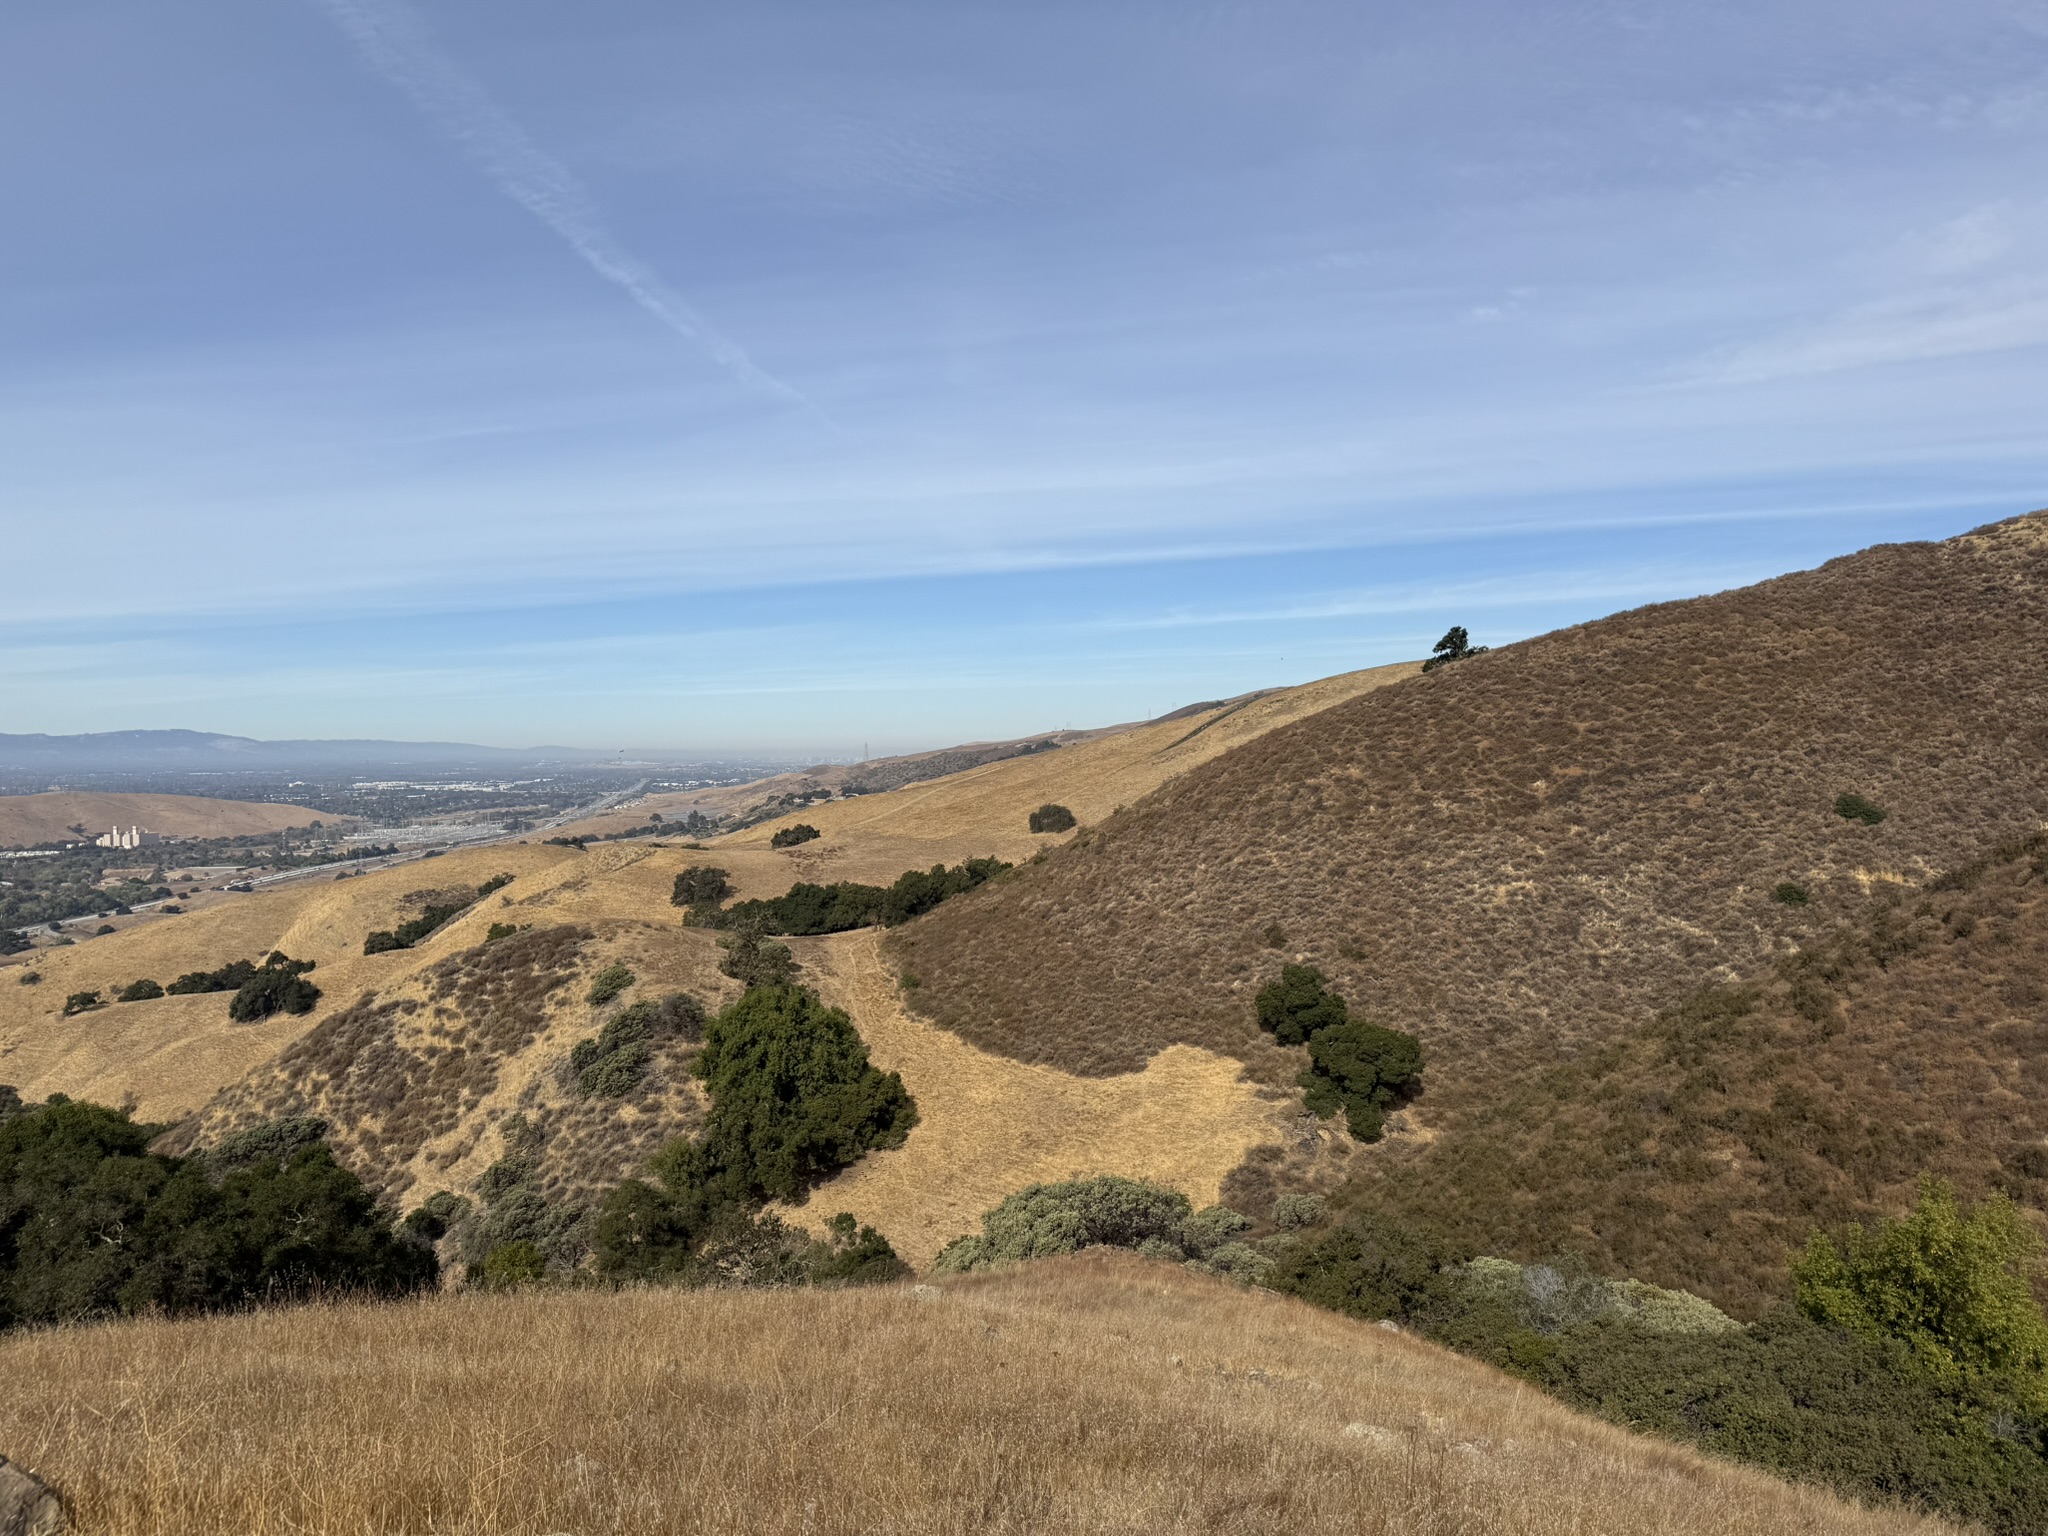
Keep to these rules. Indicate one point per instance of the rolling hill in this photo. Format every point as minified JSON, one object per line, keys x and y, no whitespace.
{"x":1530,"y":851}
{"x":1095,"y":1394}
{"x":421,"y":1059}
{"x":29,"y":819}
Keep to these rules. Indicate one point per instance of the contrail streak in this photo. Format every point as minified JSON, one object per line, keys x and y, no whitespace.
{"x":395,"y":45}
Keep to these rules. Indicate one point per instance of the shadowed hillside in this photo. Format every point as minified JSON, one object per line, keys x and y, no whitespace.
{"x":1094,"y":1394}
{"x":1531,"y":850}
{"x":1699,"y":1150}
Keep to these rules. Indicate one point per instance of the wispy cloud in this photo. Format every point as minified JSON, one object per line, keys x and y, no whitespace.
{"x":1913,"y":328}
{"x":393,"y":42}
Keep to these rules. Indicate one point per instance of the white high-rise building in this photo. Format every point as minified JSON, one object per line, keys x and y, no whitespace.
{"x":134,"y":837}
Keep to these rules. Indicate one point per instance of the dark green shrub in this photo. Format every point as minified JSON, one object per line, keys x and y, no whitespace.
{"x":499,"y":931}
{"x":1456,"y":645}
{"x":609,"y":983}
{"x":1856,"y":808}
{"x":278,"y":987}
{"x":807,"y":909}
{"x":511,"y":1265}
{"x":794,"y":1099}
{"x":700,"y":885}
{"x":31,"y":978}
{"x":103,"y":930}
{"x":1368,"y":1269}
{"x":195,"y":1235}
{"x":82,"y":1002}
{"x":789,"y":837}
{"x":752,"y":959}
{"x":613,"y":1063}
{"x":1362,"y":1069}
{"x":854,"y":1255}
{"x":229,"y":978}
{"x":1298,"y":1004}
{"x":495,"y":883}
{"x":431,"y":1220}
{"x":1791,"y":895}
{"x":10,"y":1102}
{"x":1052,"y":818}
{"x":139,"y":992}
{"x":382,"y":942}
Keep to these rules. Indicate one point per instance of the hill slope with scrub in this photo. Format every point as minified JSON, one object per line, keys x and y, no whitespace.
{"x":1529,"y":851}
{"x":1699,"y":1150}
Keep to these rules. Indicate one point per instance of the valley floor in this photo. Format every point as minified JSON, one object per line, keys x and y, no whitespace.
{"x":1095,"y":1394}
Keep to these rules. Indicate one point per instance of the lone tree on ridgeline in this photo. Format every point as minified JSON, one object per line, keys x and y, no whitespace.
{"x":1456,"y":645}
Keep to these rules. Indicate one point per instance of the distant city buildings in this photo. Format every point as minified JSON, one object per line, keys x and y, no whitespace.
{"x":134,"y":837}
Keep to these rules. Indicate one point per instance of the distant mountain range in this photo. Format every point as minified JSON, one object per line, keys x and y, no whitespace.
{"x":203,"y":751}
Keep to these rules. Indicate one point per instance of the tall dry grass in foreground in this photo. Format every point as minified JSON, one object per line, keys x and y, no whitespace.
{"x":1096,"y":1394}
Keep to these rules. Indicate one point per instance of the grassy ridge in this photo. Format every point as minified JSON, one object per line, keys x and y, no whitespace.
{"x":1097,"y":1394}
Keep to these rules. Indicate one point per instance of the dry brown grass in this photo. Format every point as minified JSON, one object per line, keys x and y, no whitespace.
{"x":43,"y":818}
{"x":1097,"y":1394}
{"x":1699,"y":1151}
{"x":988,"y":1125}
{"x":1534,"y":849}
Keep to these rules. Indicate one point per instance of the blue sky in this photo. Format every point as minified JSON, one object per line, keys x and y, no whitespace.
{"x":798,"y":376}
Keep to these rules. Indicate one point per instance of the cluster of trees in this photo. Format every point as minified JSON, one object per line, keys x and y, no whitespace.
{"x":794,"y":1099}
{"x":1356,"y":1066}
{"x":278,"y":985}
{"x":407,"y":934}
{"x":94,"y":1224}
{"x":68,"y":886}
{"x":836,"y":908}
{"x":791,"y":836}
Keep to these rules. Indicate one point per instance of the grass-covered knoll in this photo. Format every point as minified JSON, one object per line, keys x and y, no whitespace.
{"x":1150,"y":1401}
{"x":1699,"y":1149}
{"x":1532,"y":849}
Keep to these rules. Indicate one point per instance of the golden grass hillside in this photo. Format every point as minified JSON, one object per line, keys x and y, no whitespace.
{"x":1096,"y":1394}
{"x":29,"y":819}
{"x":1533,"y":850}
{"x":983,"y":810}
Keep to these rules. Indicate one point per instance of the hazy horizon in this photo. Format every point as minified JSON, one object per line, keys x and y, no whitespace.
{"x":780,"y":380}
